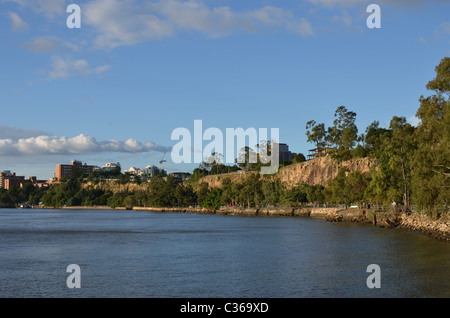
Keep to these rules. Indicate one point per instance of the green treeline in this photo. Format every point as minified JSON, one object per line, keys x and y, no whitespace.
{"x":413,"y":162}
{"x":16,"y":195}
{"x":413,"y":169}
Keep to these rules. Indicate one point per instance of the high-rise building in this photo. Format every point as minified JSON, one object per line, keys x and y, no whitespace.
{"x":284,"y":153}
{"x":66,"y":171}
{"x":3,"y":175}
{"x":9,"y":179}
{"x":150,"y":170}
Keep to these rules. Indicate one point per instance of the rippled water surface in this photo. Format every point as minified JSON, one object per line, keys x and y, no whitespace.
{"x":146,"y":254}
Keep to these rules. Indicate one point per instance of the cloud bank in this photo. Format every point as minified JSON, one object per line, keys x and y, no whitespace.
{"x":121,"y":23}
{"x":81,"y":144}
{"x":108,"y":24}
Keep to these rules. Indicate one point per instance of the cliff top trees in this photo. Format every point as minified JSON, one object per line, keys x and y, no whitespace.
{"x":374,"y":137}
{"x":316,"y":133}
{"x":441,"y":83}
{"x":343,"y":135}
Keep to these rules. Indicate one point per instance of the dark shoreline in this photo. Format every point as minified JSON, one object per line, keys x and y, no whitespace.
{"x":436,"y":228}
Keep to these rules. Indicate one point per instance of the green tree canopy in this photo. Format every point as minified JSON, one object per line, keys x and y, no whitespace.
{"x":316,"y":133}
{"x":431,"y":170}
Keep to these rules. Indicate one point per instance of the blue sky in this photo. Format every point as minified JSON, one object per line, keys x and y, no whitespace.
{"x":115,"y":89}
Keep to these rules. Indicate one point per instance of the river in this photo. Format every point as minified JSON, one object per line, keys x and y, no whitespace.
{"x":149,"y":254}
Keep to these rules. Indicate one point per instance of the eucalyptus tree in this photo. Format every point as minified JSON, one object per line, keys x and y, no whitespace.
{"x":431,"y":178}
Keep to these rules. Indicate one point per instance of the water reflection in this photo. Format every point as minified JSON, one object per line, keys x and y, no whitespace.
{"x":143,"y":254}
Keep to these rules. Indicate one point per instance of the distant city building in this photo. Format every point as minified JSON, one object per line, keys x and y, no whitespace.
{"x":134,"y":171}
{"x":66,"y":171}
{"x":284,"y":154}
{"x":37,"y":183}
{"x":150,"y":170}
{"x":9,"y":179}
{"x":181,"y":176}
{"x":110,"y":166}
{"x":3,"y":175}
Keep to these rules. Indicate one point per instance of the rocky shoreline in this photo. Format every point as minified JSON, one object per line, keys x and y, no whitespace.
{"x":413,"y":221}
{"x":436,"y":228}
{"x":439,"y":229}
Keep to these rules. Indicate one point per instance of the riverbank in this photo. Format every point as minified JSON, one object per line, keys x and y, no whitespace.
{"x":437,"y":228}
{"x":411,"y":221}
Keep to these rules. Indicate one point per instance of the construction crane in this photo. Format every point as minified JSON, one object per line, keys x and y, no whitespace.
{"x":161,"y":162}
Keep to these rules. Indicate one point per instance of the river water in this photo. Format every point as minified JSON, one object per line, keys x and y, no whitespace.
{"x":184,"y":255}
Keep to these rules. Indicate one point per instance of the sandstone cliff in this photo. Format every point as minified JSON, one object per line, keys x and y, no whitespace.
{"x":321,"y":170}
{"x":114,"y":186}
{"x":317,"y":171}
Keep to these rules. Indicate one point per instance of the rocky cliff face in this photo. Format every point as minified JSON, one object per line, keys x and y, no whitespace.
{"x":215,"y":181}
{"x":114,"y":186}
{"x":321,"y":170}
{"x":317,"y":171}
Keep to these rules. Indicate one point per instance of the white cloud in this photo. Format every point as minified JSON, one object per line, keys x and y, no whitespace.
{"x":118,"y":23}
{"x":17,"y":24}
{"x":65,"y":68}
{"x":49,"y":8}
{"x":81,"y":144}
{"x":220,"y":21}
{"x":45,"y":44}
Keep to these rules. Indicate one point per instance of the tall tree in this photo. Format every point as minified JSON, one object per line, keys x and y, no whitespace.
{"x":251,"y":191}
{"x":400,"y":149}
{"x":374,"y":138}
{"x":343,"y":135}
{"x":431,"y":178}
{"x":316,"y":133}
{"x":441,"y":83}
{"x":247,"y":158}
